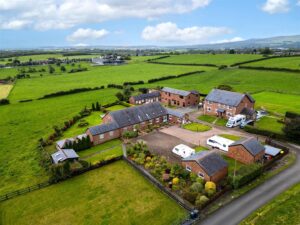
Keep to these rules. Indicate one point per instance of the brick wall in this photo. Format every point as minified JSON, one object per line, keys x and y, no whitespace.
{"x":179,"y":101}
{"x":242,"y":155}
{"x":101,"y":138}
{"x":145,"y":101}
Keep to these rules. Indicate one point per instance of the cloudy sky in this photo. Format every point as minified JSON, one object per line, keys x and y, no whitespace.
{"x":40,"y":23}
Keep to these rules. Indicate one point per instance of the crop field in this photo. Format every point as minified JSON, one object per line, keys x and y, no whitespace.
{"x":283,"y":209}
{"x":217,"y":59}
{"x":241,"y":80}
{"x":284,"y":62}
{"x":114,"y":194}
{"x":4,"y":90}
{"x":96,"y":76}
{"x":23,"y":124}
{"x":277,"y":103}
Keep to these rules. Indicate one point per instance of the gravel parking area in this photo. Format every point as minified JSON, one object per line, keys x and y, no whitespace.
{"x":162,"y":144}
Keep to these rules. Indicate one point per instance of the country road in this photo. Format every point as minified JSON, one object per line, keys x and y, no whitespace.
{"x":237,"y":210}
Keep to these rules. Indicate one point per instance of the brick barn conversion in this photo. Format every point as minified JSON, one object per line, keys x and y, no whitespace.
{"x":145,"y":98}
{"x":246,"y":151}
{"x":117,"y":122}
{"x":208,"y":165}
{"x":226,"y":104}
{"x":179,"y":98}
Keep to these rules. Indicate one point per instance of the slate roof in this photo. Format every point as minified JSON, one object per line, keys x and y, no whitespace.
{"x":210,"y":161}
{"x":227,"y":97}
{"x":270,"y":150}
{"x":103,"y":128}
{"x":146,"y":96}
{"x":251,"y":144}
{"x":175,"y":113}
{"x":63,"y":154}
{"x":176,"y":91}
{"x":138,"y":114}
{"x":62,"y":143}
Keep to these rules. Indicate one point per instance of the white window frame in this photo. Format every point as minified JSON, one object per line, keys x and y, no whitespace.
{"x":201,"y":175}
{"x":111,"y":133}
{"x":165,"y":118}
{"x":157,"y":120}
{"x":101,"y":136}
{"x":150,"y":121}
{"x":188,"y":168}
{"x":208,"y":109}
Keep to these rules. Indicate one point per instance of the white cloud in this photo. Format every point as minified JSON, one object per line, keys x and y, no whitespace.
{"x":276,"y":6}
{"x":235,"y":39}
{"x":61,"y":14}
{"x":82,"y":34}
{"x":15,"y":24}
{"x":81,"y":45}
{"x":170,"y":32}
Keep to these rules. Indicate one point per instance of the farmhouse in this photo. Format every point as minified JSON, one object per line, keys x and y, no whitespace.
{"x":226,"y":104}
{"x":246,"y":151}
{"x":64,"y":154}
{"x":208,"y":165}
{"x":130,"y":119}
{"x":145,"y":98}
{"x":179,"y":98}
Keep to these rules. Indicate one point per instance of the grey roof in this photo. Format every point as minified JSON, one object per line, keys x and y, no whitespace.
{"x":103,"y":128}
{"x":138,"y":114}
{"x":146,"y":96}
{"x":63,"y":154}
{"x":270,"y":150}
{"x":210,"y":161}
{"x":176,"y":91}
{"x":62,"y":143}
{"x":176,"y":113}
{"x":251,"y":144}
{"x":227,"y":97}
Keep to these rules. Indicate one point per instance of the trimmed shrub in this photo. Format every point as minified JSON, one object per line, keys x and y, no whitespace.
{"x":196,"y":187}
{"x":175,"y":180}
{"x":210,"y":186}
{"x":130,"y":134}
{"x":201,"y":200}
{"x":190,"y":196}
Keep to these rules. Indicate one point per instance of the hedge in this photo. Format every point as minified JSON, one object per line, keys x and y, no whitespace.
{"x":184,"y":64}
{"x":173,"y":76}
{"x":133,"y":83}
{"x":4,"y":101}
{"x":118,"y":86}
{"x":270,"y":69}
{"x":253,"y":130}
{"x":291,"y":115}
{"x":161,"y":57}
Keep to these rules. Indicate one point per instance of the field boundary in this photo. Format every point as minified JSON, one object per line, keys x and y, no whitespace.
{"x":275,"y":69}
{"x":184,"y":64}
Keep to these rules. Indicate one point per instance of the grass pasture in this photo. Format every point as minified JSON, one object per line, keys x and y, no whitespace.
{"x":270,"y":124}
{"x":5,"y":90}
{"x":196,"y":127}
{"x":217,"y":59}
{"x":114,"y":194}
{"x":282,"y":62}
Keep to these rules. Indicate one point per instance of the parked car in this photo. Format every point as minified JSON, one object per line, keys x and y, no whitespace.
{"x":247,"y":122}
{"x":236,"y":120}
{"x":183,"y":151}
{"x":219,"y":142}
{"x":260,"y":114}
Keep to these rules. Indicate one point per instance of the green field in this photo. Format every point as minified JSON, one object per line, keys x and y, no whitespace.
{"x":23,"y":124}
{"x":283,"y":209}
{"x":114,"y":194}
{"x":270,"y":124}
{"x":283,"y":62}
{"x":96,"y":76}
{"x":196,"y":127}
{"x":217,"y":59}
{"x":277,"y":103}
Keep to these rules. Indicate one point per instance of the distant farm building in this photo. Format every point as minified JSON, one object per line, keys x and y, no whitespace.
{"x":179,"y":98}
{"x":145,"y":98}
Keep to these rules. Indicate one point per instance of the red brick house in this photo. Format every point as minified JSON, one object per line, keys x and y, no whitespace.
{"x":179,"y":98}
{"x":208,"y":165}
{"x":117,"y":122}
{"x":145,"y":98}
{"x":246,"y":151}
{"x":226,"y":104}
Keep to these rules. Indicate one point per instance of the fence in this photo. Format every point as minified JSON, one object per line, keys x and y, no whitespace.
{"x":23,"y":191}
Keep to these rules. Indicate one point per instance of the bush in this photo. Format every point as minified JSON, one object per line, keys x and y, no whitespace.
{"x":130,"y":134}
{"x":210,"y":186}
{"x":196,"y":187}
{"x":4,"y":101}
{"x":200,"y":180}
{"x":190,"y":196}
{"x":175,"y":180}
{"x":201,"y":200}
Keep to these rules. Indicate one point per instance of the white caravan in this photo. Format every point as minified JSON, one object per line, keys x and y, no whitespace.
{"x":183,"y":151}
{"x":236,"y":120}
{"x":219,"y":142}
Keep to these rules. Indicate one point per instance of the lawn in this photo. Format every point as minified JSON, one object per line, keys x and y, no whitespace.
{"x":221,"y":122}
{"x":207,"y":118}
{"x":232,"y":163}
{"x":23,"y":124}
{"x":200,"y":148}
{"x":104,"y":155}
{"x":94,"y":77}
{"x":217,"y":59}
{"x":4,"y":90}
{"x":114,"y":194}
{"x":116,"y":107}
{"x":283,"y":62}
{"x":197,"y":127}
{"x":231,"y":137}
{"x":283,"y":209}
{"x":277,"y":103}
{"x":270,"y":124}
{"x":241,"y":80}
{"x":99,"y":148}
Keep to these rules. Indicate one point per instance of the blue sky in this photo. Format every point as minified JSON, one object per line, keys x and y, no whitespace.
{"x":30,"y":23}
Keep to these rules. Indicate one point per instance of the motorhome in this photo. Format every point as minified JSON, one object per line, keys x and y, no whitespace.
{"x":236,"y":120}
{"x":183,"y":150}
{"x":219,"y":142}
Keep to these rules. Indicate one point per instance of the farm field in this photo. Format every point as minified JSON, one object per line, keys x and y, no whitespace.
{"x":284,"y":209}
{"x":96,"y":76}
{"x":283,"y":62}
{"x":270,"y":124}
{"x":113,"y":194}
{"x":241,"y":80}
{"x":4,"y":90}
{"x":217,"y":59}
{"x":29,"y":122}
{"x":277,"y":103}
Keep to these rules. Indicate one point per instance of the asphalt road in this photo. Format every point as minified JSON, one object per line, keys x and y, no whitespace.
{"x":237,"y":210}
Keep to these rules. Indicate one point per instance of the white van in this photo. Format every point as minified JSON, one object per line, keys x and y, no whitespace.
{"x":219,"y":142}
{"x":236,"y":120}
{"x":183,"y":151}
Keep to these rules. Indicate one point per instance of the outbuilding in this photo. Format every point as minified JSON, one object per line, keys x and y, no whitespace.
{"x":64,"y":155}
